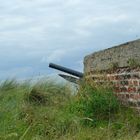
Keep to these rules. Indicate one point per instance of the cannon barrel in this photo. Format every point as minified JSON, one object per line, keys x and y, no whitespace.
{"x":67,"y":70}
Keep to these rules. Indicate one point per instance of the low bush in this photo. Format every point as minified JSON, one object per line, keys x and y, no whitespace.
{"x":95,"y":105}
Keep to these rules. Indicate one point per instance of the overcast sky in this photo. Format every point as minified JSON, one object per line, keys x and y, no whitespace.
{"x":36,"y":32}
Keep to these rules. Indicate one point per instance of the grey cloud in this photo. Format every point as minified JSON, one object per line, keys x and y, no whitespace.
{"x":35,"y":32}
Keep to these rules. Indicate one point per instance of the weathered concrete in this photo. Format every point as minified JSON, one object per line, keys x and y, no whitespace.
{"x":118,"y":55}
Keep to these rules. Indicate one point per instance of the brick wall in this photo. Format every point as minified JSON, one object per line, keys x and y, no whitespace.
{"x":124,"y":78}
{"x":125,"y":83}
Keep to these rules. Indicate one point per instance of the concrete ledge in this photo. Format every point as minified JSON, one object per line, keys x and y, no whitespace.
{"x":120,"y":56}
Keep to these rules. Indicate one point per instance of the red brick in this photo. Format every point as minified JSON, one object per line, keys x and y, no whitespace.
{"x":117,"y":89}
{"x":135,"y":96}
{"x":139,"y":90}
{"x":124,"y":83}
{"x":135,"y":83}
{"x":130,"y":82}
{"x":123,"y":89}
{"x":117,"y":84}
{"x":112,"y":78}
{"x":108,"y":78}
{"x":122,"y":96}
{"x":131,"y":89}
{"x":117,"y":77}
{"x":127,"y":96}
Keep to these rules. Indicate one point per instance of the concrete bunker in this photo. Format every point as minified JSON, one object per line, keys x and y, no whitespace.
{"x":119,"y":65}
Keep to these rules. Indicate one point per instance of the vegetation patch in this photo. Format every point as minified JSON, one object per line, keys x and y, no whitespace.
{"x":48,"y":110}
{"x":37,"y":97}
{"x":114,"y":66}
{"x":133,"y":63}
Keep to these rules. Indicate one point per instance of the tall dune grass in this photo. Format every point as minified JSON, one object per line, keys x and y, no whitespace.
{"x":50,"y":111}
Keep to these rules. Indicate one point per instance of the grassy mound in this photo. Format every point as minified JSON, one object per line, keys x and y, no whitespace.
{"x":49,"y":110}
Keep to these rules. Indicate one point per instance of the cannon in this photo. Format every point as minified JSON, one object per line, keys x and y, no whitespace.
{"x":77,"y":75}
{"x":66,"y":70}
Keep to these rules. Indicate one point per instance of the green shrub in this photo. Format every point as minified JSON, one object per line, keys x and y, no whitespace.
{"x":95,"y":104}
{"x":133,"y":63}
{"x":114,"y":66}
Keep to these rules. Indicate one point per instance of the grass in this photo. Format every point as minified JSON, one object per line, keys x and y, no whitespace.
{"x":50,"y":111}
